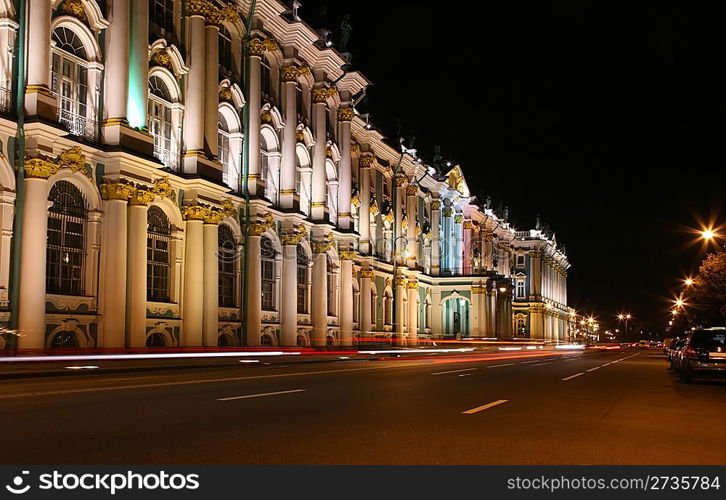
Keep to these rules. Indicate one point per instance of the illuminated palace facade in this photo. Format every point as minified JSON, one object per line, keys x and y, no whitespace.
{"x":124,"y":219}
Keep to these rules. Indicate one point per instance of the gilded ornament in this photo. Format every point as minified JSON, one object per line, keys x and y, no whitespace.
{"x":39,"y":168}
{"x":468,"y":224}
{"x":116,"y":191}
{"x":141,"y":196}
{"x":322,"y":94}
{"x":412,"y":284}
{"x":162,"y":58}
{"x":455,"y":179}
{"x":325,"y":245}
{"x":435,"y":205}
{"x":355,"y":200}
{"x":162,"y":188}
{"x":347,"y":254}
{"x":400,"y":181}
{"x":225,"y":94}
{"x":195,"y":212}
{"x":400,"y":281}
{"x":329,"y":152}
{"x":214,"y":216}
{"x":259,"y":46}
{"x":228,"y":208}
{"x":74,"y":159}
{"x":266,"y":117}
{"x":367,"y":274}
{"x":448,"y":212}
{"x":345,"y":114}
{"x":366,"y":160}
{"x":75,"y":8}
{"x":411,"y":190}
{"x":459,"y":219}
{"x":296,"y":236}
{"x":289,"y":73}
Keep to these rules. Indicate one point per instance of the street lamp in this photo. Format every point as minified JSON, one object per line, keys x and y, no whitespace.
{"x":688,"y":281}
{"x":625,"y":317}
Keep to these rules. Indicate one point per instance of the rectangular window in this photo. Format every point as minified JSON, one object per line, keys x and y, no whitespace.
{"x":302,"y":289}
{"x":520,"y":261}
{"x":268,"y":285}
{"x":520,"y":289}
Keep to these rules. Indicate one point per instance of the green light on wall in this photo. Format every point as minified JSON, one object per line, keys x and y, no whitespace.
{"x":136,"y":107}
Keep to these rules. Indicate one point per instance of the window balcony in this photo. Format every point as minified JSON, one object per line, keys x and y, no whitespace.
{"x":169,"y":157}
{"x":6,"y":100}
{"x":77,"y":124}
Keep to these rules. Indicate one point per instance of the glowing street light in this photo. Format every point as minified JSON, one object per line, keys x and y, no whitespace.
{"x":688,"y":282}
{"x":708,"y":234}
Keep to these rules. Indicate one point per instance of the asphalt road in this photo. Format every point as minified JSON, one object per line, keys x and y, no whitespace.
{"x":558,"y":408}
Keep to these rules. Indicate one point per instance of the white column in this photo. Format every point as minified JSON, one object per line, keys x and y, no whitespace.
{"x":138,"y":74}
{"x":319,"y":190}
{"x":253,"y":313}
{"x":38,"y":56}
{"x":366,"y":277}
{"x":412,"y":214}
{"x":466,"y":257}
{"x":435,"y":237}
{"x":288,"y":305}
{"x":459,"y":242}
{"x":136,"y":272}
{"x":31,"y":313}
{"x":475,"y":329}
{"x":346,"y":297}
{"x":115,"y":232}
{"x":364,"y":217}
{"x":210,"y":314}
{"x":412,"y":326}
{"x":400,"y":241}
{"x":345,"y":176}
{"x":289,"y":75}
{"x":117,"y":60}
{"x":211,"y":91}
{"x":254,"y":99}
{"x":193,"y":305}
{"x":400,"y":284}
{"x":319,"y":308}
{"x":194,"y":104}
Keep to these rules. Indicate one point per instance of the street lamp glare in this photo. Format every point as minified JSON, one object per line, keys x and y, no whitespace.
{"x":688,"y":281}
{"x":707,"y":234}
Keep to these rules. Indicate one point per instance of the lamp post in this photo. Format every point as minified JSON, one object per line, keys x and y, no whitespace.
{"x":625,"y":317}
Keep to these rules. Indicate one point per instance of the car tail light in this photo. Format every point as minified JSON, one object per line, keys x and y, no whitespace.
{"x":691,"y":352}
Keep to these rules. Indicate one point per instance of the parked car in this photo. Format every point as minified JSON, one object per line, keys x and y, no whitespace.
{"x":672,"y":352}
{"x":703,"y":354}
{"x":667,"y":345}
{"x":643,"y":344}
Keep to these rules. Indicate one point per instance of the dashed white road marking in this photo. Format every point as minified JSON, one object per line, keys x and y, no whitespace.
{"x":593,"y":369}
{"x":597,"y":367}
{"x":455,"y":371}
{"x":500,"y":366}
{"x":264,"y":394}
{"x":485,"y":407}
{"x":573,"y":376}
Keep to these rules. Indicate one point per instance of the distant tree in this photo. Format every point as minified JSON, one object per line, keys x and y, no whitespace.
{"x":708,"y":293}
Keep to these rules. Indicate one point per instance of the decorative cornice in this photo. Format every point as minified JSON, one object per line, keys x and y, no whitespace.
{"x":75,"y":160}
{"x":211,"y":13}
{"x":345,"y":114}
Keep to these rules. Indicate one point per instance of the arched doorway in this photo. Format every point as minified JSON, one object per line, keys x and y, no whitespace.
{"x":455,"y":322}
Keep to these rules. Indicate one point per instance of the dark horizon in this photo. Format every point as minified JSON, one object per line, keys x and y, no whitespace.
{"x":601,"y":118}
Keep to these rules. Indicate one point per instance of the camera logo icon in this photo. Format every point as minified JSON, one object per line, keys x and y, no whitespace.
{"x":17,"y":487}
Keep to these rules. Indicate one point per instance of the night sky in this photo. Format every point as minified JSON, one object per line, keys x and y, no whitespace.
{"x":606,"y":118}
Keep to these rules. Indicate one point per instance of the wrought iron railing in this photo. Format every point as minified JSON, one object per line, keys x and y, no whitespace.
{"x":6,"y":100}
{"x":77,"y":124}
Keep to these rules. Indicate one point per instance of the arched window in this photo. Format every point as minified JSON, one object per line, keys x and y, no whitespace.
{"x":303,"y":263}
{"x":161,"y":14}
{"x":225,"y":51}
{"x":70,"y":83}
{"x":223,"y":148}
{"x":158,"y":263}
{"x":267,"y":255}
{"x":374,"y":309}
{"x":268,"y":156}
{"x":332,"y":191}
{"x":266,"y":80}
{"x":226,"y":257}
{"x":331,"y":287}
{"x":65,"y":255}
{"x":161,"y":123}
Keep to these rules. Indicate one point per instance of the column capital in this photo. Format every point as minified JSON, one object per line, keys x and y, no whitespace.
{"x":412,"y":284}
{"x":141,"y":196}
{"x":322,"y":94}
{"x":400,"y":281}
{"x":367,"y":274}
{"x":116,"y":191}
{"x":345,"y":114}
{"x":412,"y":190}
{"x":347,"y":254}
{"x":366,"y":160}
{"x":401,"y":181}
{"x":324,"y":245}
{"x":468,"y":224}
{"x":258,"y":46}
{"x":194,"y":212}
{"x":436,"y":205}
{"x":39,"y":168}
{"x":458,"y":219}
{"x":448,"y":212}
{"x":296,"y":236}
